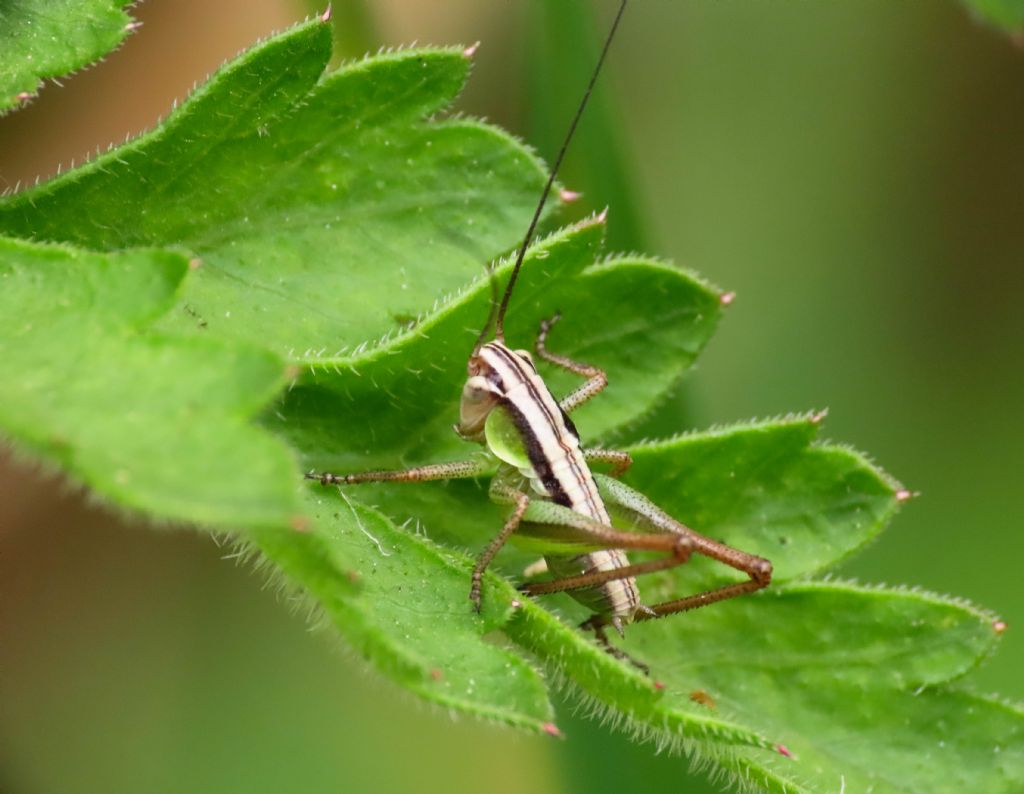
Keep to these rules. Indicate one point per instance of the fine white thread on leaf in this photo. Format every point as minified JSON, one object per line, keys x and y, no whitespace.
{"x":364,"y":530}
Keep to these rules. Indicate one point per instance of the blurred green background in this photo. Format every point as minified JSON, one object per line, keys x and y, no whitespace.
{"x":852,"y":169}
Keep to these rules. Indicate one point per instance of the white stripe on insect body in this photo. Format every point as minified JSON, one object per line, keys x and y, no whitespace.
{"x":556,"y":456}
{"x":560,"y":472}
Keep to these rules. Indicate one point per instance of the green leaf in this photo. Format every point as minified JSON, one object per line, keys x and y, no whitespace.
{"x":336,"y":415}
{"x":765,"y":487}
{"x":888,"y":740}
{"x":618,"y":692}
{"x":402,"y":602}
{"x":49,"y":38}
{"x":323,"y":213}
{"x":835,"y":675}
{"x":152,"y":422}
{"x":868,"y":636}
{"x":353,"y":23}
{"x":1005,"y":14}
{"x":324,"y":210}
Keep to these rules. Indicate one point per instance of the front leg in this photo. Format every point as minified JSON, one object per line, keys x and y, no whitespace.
{"x":620,"y":461}
{"x":454,"y":470}
{"x":596,"y":379}
{"x":502,"y":493}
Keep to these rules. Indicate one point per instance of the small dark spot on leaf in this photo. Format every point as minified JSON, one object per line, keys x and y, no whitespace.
{"x":193,"y":313}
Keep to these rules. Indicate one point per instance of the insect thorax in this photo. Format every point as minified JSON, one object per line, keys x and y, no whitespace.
{"x":527,"y":429}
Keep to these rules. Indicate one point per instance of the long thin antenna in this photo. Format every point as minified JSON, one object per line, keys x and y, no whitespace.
{"x":490,"y":314}
{"x":499,"y":328}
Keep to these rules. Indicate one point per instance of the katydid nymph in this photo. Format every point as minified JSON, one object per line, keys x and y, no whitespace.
{"x":543,"y":473}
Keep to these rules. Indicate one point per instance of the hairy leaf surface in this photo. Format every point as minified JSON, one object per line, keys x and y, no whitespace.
{"x":337,"y":231}
{"x":153,"y":422}
{"x":49,"y":38}
{"x":325,"y":210}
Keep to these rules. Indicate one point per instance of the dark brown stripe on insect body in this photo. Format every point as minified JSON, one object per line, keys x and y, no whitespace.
{"x":538,"y":459}
{"x":494,"y":377}
{"x":580,"y":475}
{"x":515,"y":363}
{"x":569,"y":424}
{"x":536,"y":455}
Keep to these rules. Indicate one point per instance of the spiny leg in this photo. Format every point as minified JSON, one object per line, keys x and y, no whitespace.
{"x":589,"y":532}
{"x":620,"y":461}
{"x":678,"y":549}
{"x":757,"y":568}
{"x":596,"y":379}
{"x":456,"y":469}
{"x":503,"y":494}
{"x":586,"y":531}
{"x":583,"y":530}
{"x":447,"y":471}
{"x":700,"y":599}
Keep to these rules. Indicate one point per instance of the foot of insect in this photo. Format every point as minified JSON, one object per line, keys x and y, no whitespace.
{"x":474,"y":592}
{"x":597,"y":624}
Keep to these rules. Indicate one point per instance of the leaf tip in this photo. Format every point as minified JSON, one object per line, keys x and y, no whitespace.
{"x":552,"y":730}
{"x":470,"y":51}
{"x":24,"y":96}
{"x":568,"y":196}
{"x":132,"y":26}
{"x":326,"y":15}
{"x":727,"y":298}
{"x":999,"y":626}
{"x":903,"y":495}
{"x":602,"y":216}
{"x":818,"y":417}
